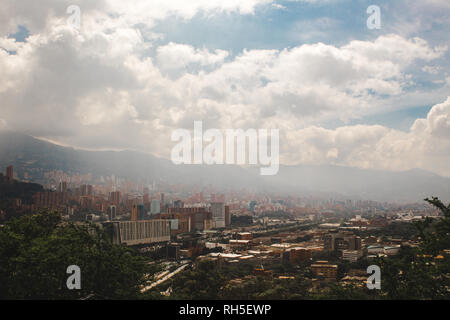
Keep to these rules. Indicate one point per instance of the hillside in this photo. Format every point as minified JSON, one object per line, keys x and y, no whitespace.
{"x":27,"y":152}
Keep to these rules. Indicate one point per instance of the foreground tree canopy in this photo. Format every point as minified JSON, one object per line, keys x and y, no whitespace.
{"x":35,"y":251}
{"x":419,"y":273}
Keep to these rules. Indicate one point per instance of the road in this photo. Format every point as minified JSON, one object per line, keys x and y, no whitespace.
{"x":164,"y":278}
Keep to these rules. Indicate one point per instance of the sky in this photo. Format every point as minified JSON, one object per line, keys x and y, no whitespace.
{"x":135,"y":71}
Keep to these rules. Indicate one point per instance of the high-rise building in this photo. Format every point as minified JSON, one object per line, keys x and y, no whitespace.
{"x":141,"y":212}
{"x":86,"y":190}
{"x":115,"y":197}
{"x":62,"y":187}
{"x":227,"y":216}
{"x":190,"y":219}
{"x":134,"y":213}
{"x":218,"y":214}
{"x":48,"y":199}
{"x":252,"y":205}
{"x":179,"y":223}
{"x":112,"y":212}
{"x":86,"y":201}
{"x":178,"y":204}
{"x":10,"y":173}
{"x":155,"y":207}
{"x":146,"y":198}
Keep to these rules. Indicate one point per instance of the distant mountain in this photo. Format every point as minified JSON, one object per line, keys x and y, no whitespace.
{"x":340,"y":182}
{"x":411,"y":185}
{"x":26,"y":151}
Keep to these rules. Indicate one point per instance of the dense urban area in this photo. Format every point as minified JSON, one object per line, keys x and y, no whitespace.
{"x":136,"y":240}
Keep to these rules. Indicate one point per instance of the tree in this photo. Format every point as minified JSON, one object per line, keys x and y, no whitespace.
{"x":35,"y":251}
{"x":416,"y":273}
{"x":435,"y":235}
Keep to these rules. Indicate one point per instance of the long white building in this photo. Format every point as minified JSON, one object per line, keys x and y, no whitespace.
{"x":141,"y":232}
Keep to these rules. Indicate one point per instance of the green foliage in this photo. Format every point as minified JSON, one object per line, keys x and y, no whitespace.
{"x":16,"y":189}
{"x":262,"y":288}
{"x":9,"y":191}
{"x":202,"y":282}
{"x":208,"y":280}
{"x":435,"y":235}
{"x":35,"y":251}
{"x":415,"y":273}
{"x":348,"y":292}
{"x":414,"y":276}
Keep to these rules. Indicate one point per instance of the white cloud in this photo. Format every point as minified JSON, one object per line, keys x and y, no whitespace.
{"x":105,"y":108}
{"x":426,"y":145}
{"x":100,"y":88}
{"x":37,"y":15}
{"x":437,"y":123}
{"x":431,"y":69}
{"x":278,"y":6}
{"x":396,"y":48}
{"x":175,"y":56}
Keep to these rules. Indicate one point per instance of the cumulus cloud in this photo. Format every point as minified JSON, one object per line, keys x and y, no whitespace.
{"x":38,"y":15}
{"x":177,"y":57}
{"x":426,"y":145}
{"x":101,"y":87}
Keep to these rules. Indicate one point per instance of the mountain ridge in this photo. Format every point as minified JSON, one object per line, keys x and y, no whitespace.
{"x":24,"y":151}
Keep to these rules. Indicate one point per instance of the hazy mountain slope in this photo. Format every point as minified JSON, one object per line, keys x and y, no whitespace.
{"x":413,"y":185}
{"x":363,"y":183}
